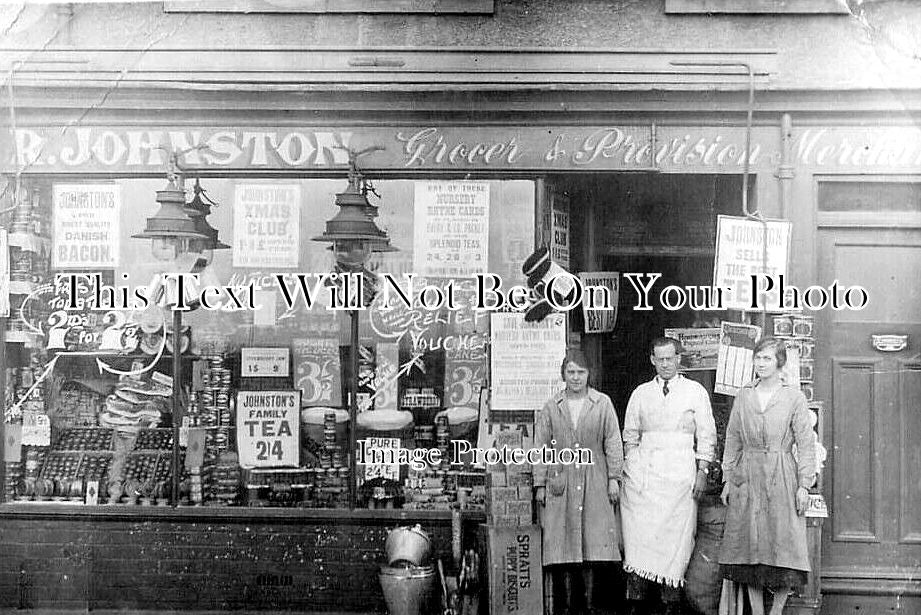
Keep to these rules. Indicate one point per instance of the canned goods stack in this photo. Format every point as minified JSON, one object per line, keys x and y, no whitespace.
{"x":798,"y":332}
{"x":12,"y":479}
{"x":215,"y":394}
{"x":331,"y":454}
{"x":443,"y":439}
{"x":227,"y":481}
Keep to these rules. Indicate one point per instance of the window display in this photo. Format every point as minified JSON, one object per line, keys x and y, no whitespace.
{"x":265,"y":365}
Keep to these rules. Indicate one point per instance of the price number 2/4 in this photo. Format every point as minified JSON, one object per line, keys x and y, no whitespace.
{"x":269,"y":449}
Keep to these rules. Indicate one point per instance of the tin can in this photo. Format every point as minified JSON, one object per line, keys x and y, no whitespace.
{"x":806,"y":369}
{"x":807,"y":349}
{"x":808,"y":390}
{"x":803,"y":326}
{"x":783,"y":325}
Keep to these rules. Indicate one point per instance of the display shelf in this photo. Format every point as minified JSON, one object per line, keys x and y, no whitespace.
{"x":661,"y":250}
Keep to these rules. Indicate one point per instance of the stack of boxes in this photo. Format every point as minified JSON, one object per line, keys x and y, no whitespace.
{"x":509,"y":488}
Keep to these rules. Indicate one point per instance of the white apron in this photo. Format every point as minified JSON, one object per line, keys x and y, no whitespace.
{"x":657,"y":508}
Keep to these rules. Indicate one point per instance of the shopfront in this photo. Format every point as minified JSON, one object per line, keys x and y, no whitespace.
{"x":259,"y":514}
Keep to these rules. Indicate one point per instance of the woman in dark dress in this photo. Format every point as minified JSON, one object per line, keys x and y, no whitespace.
{"x":764,"y":542}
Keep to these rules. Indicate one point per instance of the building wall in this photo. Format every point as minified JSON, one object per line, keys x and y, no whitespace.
{"x":186,"y":564}
{"x":825,"y":51}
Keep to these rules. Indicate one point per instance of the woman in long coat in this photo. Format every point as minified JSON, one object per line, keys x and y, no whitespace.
{"x":578,"y":517}
{"x":764,"y":540}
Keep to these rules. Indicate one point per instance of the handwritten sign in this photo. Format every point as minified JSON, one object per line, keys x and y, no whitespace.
{"x":600,"y":320}
{"x":740,"y":253}
{"x":699,"y":347}
{"x":316,"y":371}
{"x":526,"y":360}
{"x":264,"y":362}
{"x":36,"y":428}
{"x":268,"y":428}
{"x":734,"y":364}
{"x":266,"y":225}
{"x":388,"y":471}
{"x":451,"y":228}
{"x":86,"y":233}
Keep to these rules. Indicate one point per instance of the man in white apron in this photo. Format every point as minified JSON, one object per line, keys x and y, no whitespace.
{"x":669,"y":440}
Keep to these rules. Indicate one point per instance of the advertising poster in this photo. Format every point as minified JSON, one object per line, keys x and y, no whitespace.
{"x":4,"y":274}
{"x":700,"y":347}
{"x":451,"y":229}
{"x":734,"y":366}
{"x":600,"y":320}
{"x":86,"y":232}
{"x":526,"y":359}
{"x":317,"y":372}
{"x":559,"y":243}
{"x":740,"y":253}
{"x":268,"y":428}
{"x":266,"y":225}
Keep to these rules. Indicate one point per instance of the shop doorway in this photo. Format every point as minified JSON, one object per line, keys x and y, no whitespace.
{"x":646,"y":223}
{"x":873,"y":388}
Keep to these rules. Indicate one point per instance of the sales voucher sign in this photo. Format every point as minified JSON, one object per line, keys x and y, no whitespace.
{"x":268,"y":428}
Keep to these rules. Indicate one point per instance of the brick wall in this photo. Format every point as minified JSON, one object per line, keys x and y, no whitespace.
{"x":163,"y":563}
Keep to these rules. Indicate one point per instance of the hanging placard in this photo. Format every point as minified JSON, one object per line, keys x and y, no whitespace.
{"x":559,"y":230}
{"x":734,"y":365}
{"x":264,"y":362}
{"x":316,"y":371}
{"x":740,"y":254}
{"x":268,"y":428}
{"x":600,"y":320}
{"x":526,"y":358}
{"x":266,"y":225}
{"x":86,"y":232}
{"x":451,"y":229}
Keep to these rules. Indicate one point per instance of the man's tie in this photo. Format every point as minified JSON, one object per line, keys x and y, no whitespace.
{"x":665,"y":387}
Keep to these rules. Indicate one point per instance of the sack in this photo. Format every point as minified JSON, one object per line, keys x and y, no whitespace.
{"x":704,"y":584}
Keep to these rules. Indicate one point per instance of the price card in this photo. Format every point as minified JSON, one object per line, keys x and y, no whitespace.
{"x":376,"y":452}
{"x":817,"y":506}
{"x":264,"y":363}
{"x":268,"y":428}
{"x":36,"y":428}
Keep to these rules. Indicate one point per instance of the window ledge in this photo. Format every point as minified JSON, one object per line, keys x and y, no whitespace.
{"x":431,"y":7}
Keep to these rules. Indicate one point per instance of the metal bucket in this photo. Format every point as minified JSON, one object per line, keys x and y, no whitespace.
{"x":408,"y":591}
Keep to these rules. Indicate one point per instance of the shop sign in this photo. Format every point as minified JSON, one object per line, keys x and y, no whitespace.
{"x":317,"y":372}
{"x":36,"y":428}
{"x":387,"y":471}
{"x":526,"y":360}
{"x":451,"y":229}
{"x":734,"y":360}
{"x":600,"y":320}
{"x":740,"y":254}
{"x":266,"y":225}
{"x":4,"y":274}
{"x":268,"y":428}
{"x":264,"y":363}
{"x":700,"y":347}
{"x":86,"y":232}
{"x":559,"y":229}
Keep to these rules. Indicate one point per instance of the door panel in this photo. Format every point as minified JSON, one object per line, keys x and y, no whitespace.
{"x":873,"y":423}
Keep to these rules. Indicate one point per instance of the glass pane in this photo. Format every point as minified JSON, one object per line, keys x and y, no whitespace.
{"x":869,"y":196}
{"x":265,"y":376}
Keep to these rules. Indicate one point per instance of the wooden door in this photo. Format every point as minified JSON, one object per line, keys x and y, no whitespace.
{"x":872,"y":540}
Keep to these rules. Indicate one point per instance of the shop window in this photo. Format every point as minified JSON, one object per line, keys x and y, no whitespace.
{"x":90,"y":414}
{"x":755,"y":6}
{"x":869,"y":196}
{"x":331,"y":6}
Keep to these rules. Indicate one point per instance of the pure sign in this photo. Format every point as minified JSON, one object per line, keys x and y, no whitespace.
{"x":268,"y":428}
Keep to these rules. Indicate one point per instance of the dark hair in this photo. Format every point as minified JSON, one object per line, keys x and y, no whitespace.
{"x":778,"y":346}
{"x":574,"y":356}
{"x":665,"y":341}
